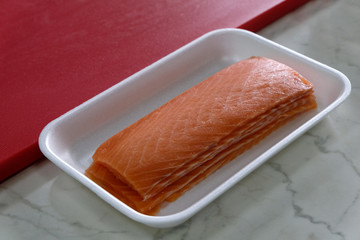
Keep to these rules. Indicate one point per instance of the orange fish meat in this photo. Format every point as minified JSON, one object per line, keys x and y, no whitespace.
{"x":170,"y":150}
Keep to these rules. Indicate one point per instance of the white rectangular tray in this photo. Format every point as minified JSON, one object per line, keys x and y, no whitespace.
{"x":70,"y":140}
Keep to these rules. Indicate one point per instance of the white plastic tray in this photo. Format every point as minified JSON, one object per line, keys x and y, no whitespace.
{"x":70,"y":140}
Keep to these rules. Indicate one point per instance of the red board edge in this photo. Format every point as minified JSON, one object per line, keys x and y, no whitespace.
{"x":271,"y":15}
{"x":23,"y":158}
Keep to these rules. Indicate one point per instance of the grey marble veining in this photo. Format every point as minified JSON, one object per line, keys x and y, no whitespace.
{"x":310,"y":190}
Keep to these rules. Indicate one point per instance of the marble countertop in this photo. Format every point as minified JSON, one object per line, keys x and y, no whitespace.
{"x":310,"y":190}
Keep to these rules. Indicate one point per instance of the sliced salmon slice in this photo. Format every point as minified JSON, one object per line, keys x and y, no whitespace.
{"x":163,"y":154}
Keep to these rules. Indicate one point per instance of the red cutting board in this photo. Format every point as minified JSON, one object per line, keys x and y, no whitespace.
{"x":57,"y":54}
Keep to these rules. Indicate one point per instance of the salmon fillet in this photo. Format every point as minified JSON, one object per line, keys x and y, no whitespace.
{"x":167,"y":152}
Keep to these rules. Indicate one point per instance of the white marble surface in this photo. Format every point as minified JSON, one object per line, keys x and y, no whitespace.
{"x":310,"y":190}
